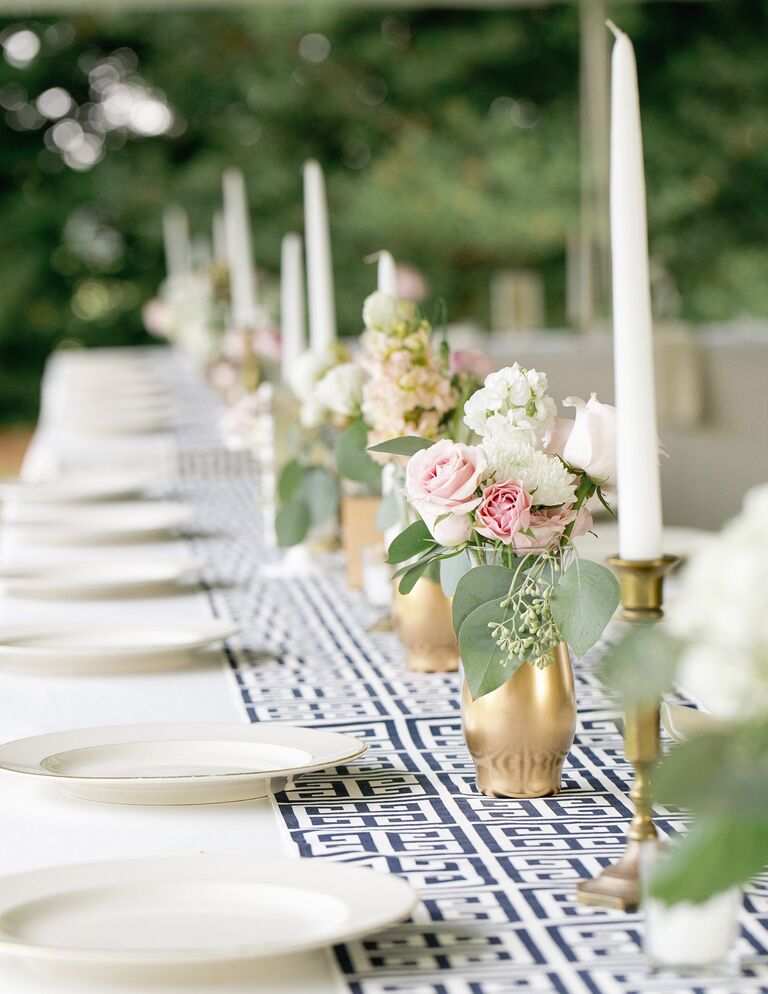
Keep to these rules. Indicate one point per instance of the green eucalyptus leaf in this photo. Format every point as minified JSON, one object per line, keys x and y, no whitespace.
{"x":290,"y":481}
{"x":352,"y":459}
{"x":480,"y":656}
{"x":414,"y":541}
{"x":292,"y":522}
{"x":321,"y":494}
{"x":479,"y":585}
{"x":407,"y":445}
{"x":717,"y":853}
{"x":389,"y":511}
{"x":412,"y":575}
{"x":452,"y":569}
{"x":640,"y":667}
{"x":721,"y":774}
{"x":583,"y":603}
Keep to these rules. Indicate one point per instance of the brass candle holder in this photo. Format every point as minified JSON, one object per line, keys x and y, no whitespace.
{"x":618,"y":886}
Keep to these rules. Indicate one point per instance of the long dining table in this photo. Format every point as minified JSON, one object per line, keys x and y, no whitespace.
{"x":496,"y":877}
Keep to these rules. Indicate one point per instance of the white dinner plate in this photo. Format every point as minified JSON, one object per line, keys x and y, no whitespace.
{"x":111,"y":522}
{"x":115,"y":646}
{"x":91,"y":487}
{"x":177,"y":763}
{"x":99,"y":579}
{"x":180,"y":917}
{"x":684,"y":723}
{"x":139,"y":423}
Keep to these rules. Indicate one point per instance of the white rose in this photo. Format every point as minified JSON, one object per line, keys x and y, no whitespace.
{"x":591,"y":444}
{"x":379,"y":311}
{"x":341,"y":389}
{"x":312,"y":413}
{"x":307,"y":369}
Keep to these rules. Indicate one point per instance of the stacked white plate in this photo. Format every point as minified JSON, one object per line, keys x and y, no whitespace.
{"x":113,"y":646}
{"x":55,"y":524}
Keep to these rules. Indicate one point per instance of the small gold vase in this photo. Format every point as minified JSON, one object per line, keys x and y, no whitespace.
{"x":422,"y":620}
{"x":520,"y":734}
{"x":358,"y":530}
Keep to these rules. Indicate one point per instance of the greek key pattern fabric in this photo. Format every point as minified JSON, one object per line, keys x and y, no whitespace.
{"x":496,"y":877}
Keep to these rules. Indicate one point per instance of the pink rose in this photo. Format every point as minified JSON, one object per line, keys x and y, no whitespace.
{"x":442,"y":483}
{"x":548,"y":524}
{"x":472,"y":361}
{"x":589,"y":442}
{"x":504,"y":511}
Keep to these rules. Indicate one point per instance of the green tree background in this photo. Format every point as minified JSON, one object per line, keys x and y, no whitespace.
{"x":450,"y":137}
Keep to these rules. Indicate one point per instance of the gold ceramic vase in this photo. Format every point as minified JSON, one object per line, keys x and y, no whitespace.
{"x":422,"y":620}
{"x":520,"y":734}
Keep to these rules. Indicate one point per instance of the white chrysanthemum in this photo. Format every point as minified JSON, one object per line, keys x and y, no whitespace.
{"x":381,"y":311}
{"x":341,"y":389}
{"x":511,"y":398}
{"x":545,"y":478}
{"x":308,"y":368}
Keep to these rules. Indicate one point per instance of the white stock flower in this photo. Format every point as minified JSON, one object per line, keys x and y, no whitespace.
{"x":511,"y":398}
{"x":341,"y":389}
{"x":512,"y":457}
{"x":382,"y":311}
{"x":308,"y":368}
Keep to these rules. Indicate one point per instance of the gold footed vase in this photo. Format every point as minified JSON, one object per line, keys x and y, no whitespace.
{"x":422,"y":620}
{"x":520,"y":734}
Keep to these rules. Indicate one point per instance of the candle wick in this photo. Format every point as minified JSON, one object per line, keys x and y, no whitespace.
{"x":614,"y":30}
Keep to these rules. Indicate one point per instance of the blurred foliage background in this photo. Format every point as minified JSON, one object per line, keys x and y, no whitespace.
{"x":450,"y":137}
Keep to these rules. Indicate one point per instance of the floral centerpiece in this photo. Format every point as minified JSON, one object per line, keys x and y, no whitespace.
{"x":399,"y":384}
{"x":501,"y":515}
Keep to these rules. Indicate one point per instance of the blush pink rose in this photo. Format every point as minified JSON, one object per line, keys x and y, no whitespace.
{"x":587,"y":443}
{"x":504,"y":511}
{"x":442,"y":483}
{"x":472,"y":361}
{"x":548,"y":524}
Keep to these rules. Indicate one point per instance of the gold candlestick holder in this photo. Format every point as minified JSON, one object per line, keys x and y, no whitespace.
{"x":618,"y":885}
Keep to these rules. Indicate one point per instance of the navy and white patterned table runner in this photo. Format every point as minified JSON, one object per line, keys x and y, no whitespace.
{"x":496,"y":877}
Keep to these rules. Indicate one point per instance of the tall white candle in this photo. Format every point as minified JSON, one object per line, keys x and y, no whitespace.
{"x":176,"y":241}
{"x":237,"y":227}
{"x":322,"y":307}
{"x":639,"y":494}
{"x":218,"y":231}
{"x":291,"y":302}
{"x":387,"y":274}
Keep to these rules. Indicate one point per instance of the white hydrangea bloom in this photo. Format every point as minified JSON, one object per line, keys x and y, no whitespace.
{"x":721,"y":611}
{"x":341,"y":389}
{"x":511,"y":398}
{"x":308,"y":368}
{"x":511,"y":456}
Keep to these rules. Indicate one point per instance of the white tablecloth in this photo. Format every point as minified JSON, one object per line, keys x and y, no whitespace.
{"x":42,"y":827}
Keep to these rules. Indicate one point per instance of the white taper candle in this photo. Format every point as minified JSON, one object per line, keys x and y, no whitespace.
{"x":322,"y":307}
{"x":387,"y":274}
{"x":219,"y":235}
{"x":176,"y":241}
{"x":639,"y":494}
{"x":292,"y":325}
{"x":237,"y":227}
